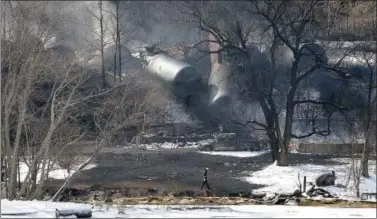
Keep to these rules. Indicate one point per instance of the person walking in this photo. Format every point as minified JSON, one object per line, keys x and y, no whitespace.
{"x":205,"y":180}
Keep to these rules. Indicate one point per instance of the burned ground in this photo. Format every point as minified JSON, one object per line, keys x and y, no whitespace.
{"x":177,"y":170}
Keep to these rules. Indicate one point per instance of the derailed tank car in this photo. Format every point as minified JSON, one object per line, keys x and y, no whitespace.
{"x":184,"y":80}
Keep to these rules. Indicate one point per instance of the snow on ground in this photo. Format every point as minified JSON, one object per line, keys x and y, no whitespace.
{"x":235,"y":153}
{"x":171,"y":145}
{"x":283,"y":179}
{"x":346,"y":44}
{"x":55,"y":173}
{"x":41,"y":209}
{"x":157,"y":146}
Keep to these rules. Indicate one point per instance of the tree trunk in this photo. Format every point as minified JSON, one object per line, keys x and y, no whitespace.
{"x":33,"y":174}
{"x":4,"y":163}
{"x":283,"y":153}
{"x":18,"y":173}
{"x":9,"y":102}
{"x":39,"y":191}
{"x":33,"y":165}
{"x":272,"y":126}
{"x":368,"y":126}
{"x":2,"y":145}
{"x":118,"y":42}
{"x":16,"y":149}
{"x":274,"y":144}
{"x":33,"y":179}
{"x":366,"y":151}
{"x":115,"y":63}
{"x":283,"y":156}
{"x":102,"y":45}
{"x":365,"y":172}
{"x":289,"y":106}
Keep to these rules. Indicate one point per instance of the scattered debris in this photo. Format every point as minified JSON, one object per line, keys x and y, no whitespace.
{"x":289,"y":199}
{"x":314,"y":192}
{"x":121,"y":211}
{"x":367,"y":196}
{"x":279,"y":200}
{"x":80,"y":213}
{"x":152,"y":191}
{"x":327,"y":179}
{"x":297,"y":193}
{"x":109,"y":200}
{"x":340,"y":185}
{"x":242,"y":194}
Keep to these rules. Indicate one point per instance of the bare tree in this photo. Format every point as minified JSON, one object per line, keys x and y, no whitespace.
{"x":101,"y":23}
{"x":97,"y":11}
{"x":29,"y":71}
{"x":356,"y":165}
{"x":44,"y":94}
{"x":286,"y":25}
{"x":364,"y":110}
{"x":120,"y":109}
{"x":368,"y":124}
{"x":23,"y":64}
{"x":122,"y":32}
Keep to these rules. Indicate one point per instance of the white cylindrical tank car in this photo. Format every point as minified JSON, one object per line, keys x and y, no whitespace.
{"x":219,"y":83}
{"x":171,"y":70}
{"x":185,"y":79}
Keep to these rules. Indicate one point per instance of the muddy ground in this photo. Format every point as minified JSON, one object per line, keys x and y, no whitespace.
{"x":174,"y":170}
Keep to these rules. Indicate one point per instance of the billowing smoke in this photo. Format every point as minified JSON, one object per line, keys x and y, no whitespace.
{"x":74,"y":26}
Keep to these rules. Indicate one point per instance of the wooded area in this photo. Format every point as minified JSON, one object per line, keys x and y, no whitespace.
{"x":69,"y":75}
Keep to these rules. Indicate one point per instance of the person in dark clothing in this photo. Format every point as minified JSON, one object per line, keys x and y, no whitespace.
{"x":205,"y":180}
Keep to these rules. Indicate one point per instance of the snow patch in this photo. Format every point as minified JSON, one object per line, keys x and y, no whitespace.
{"x":235,"y":153}
{"x":56,"y":172}
{"x":279,"y":179}
{"x":172,"y":145}
{"x":36,"y":209}
{"x":41,"y":209}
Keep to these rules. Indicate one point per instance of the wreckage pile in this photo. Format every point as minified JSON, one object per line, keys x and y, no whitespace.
{"x":326,"y":179}
{"x":282,"y":199}
{"x":109,"y":195}
{"x":319,"y":192}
